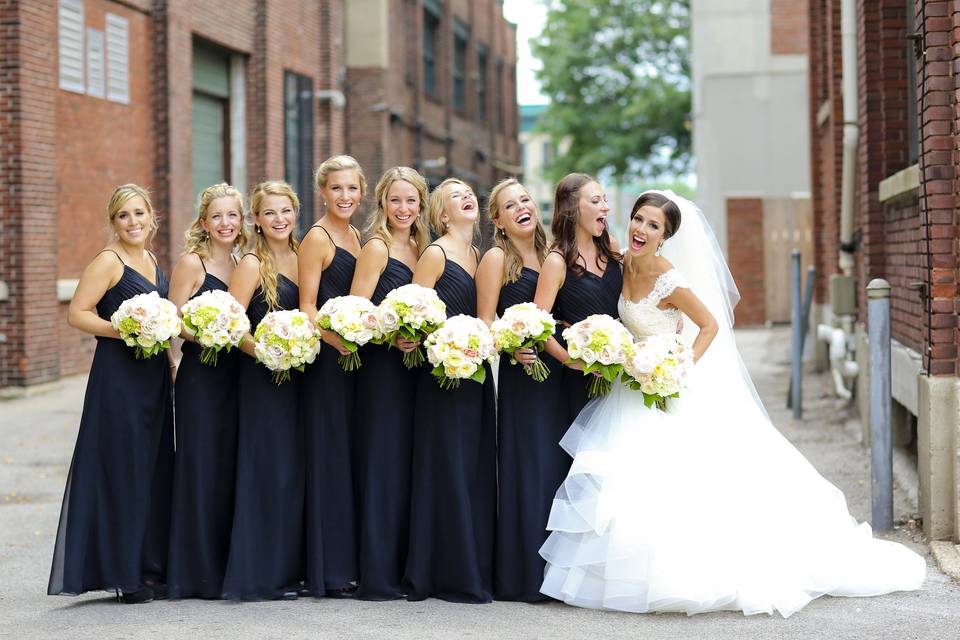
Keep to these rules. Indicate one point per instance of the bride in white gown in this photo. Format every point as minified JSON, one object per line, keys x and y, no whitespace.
{"x":704,"y":506}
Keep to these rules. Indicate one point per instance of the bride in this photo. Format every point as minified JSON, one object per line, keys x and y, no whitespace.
{"x":704,"y":506}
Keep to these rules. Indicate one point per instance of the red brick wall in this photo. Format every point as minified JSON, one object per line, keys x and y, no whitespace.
{"x":745,"y":225}
{"x":788,"y":26}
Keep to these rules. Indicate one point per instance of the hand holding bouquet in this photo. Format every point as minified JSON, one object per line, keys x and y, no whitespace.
{"x":146,"y":322}
{"x":286,"y":340}
{"x":658,"y":368}
{"x":413,"y":312}
{"x":217,"y":321}
{"x":600,"y":344}
{"x":458,"y":349}
{"x":354,"y":319}
{"x":524,"y":326}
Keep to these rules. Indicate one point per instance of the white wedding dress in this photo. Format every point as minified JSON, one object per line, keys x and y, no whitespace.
{"x":704,"y":506}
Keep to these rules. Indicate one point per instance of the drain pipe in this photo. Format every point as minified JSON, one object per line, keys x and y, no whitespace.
{"x":851,"y":132}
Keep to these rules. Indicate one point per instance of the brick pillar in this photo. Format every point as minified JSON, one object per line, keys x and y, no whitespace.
{"x":28,"y":193}
{"x":745,"y":224}
{"x":939,"y":110}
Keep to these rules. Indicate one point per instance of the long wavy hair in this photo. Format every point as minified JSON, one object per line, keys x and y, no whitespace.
{"x":197,"y":239}
{"x":120,"y":196}
{"x":261,"y":248}
{"x":379,"y":225}
{"x":566,"y":211}
{"x":513,"y":265}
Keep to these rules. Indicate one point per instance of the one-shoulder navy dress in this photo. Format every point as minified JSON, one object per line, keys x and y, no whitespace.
{"x":326,"y":410}
{"x":266,"y":545}
{"x":531,"y":419}
{"x":116,"y":506}
{"x":204,"y":467}
{"x":453,"y":485}
{"x":585,"y":294}
{"x":386,"y":391}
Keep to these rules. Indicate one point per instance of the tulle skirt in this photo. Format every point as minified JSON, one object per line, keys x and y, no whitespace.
{"x":704,"y":507}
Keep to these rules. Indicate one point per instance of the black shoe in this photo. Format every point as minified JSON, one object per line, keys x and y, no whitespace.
{"x":342,"y":592}
{"x":159,"y":589}
{"x":289,"y":595}
{"x":140,"y":596}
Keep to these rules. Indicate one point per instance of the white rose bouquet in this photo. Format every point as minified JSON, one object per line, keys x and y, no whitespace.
{"x":601,"y":344}
{"x":524,"y":326}
{"x":658,"y":368}
{"x":146,"y":322}
{"x":217,"y":321}
{"x":412,"y":312}
{"x":354,"y":319}
{"x":286,"y":340}
{"x":458,"y":349}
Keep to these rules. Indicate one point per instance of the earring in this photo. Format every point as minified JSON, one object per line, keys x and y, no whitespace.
{"x":659,"y":246}
{"x":257,"y":228}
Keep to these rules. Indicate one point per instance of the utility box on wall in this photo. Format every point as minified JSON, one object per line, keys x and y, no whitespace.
{"x":843,"y":295}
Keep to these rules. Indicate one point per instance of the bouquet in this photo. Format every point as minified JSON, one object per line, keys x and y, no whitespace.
{"x":458,"y":349}
{"x":658,"y":368}
{"x":413,"y":312}
{"x":601,"y":344}
{"x":146,"y":322}
{"x":524,"y":326}
{"x":217,"y":321}
{"x":286,"y":340}
{"x":354,"y":319}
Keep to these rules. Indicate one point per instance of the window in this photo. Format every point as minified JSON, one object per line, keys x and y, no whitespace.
{"x":460,"y":36}
{"x":298,"y":143}
{"x":498,"y":94}
{"x":118,"y":59}
{"x":95,"y":63}
{"x":210,"y":130}
{"x":913,"y":126}
{"x":481,"y":83}
{"x":431,"y":28}
{"x":70,"y":37}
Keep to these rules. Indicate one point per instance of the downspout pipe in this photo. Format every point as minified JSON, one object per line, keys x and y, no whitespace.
{"x":851,"y":132}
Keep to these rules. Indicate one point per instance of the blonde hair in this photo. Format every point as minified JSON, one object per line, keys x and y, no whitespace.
{"x":513,"y":265}
{"x":379,"y":225}
{"x":437,"y":202}
{"x":197,"y":239}
{"x":119,"y":198}
{"x":339,"y":163}
{"x":261,"y":248}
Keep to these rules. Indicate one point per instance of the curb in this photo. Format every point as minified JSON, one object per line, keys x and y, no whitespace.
{"x":947,"y":556}
{"x":16,"y":393}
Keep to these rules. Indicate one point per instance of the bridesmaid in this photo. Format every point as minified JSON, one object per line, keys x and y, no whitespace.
{"x":266,"y":544}
{"x":531,"y":416}
{"x":396,"y":235}
{"x":581,"y":275}
{"x":454,"y":484}
{"x":116,"y":506}
{"x":206,"y":408}
{"x":328,"y":256}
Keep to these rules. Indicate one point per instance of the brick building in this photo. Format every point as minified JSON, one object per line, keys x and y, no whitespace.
{"x":433,"y":84}
{"x":178,"y":94}
{"x":894,"y":214}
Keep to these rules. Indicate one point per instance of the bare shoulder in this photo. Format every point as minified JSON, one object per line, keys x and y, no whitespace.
{"x":374,"y":252}
{"x":494,"y":257}
{"x":554,"y":262}
{"x":433,"y":254}
{"x":663,"y":265}
{"x":189,"y":263}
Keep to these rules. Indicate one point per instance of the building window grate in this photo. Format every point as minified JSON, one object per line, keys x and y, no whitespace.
{"x":118,"y":59}
{"x":70,"y":37}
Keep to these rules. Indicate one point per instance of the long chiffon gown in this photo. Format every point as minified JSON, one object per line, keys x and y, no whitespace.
{"x":383,"y":416}
{"x":326,"y":411}
{"x":453,"y":486}
{"x":116,"y":506}
{"x":204,"y":467}
{"x":266,"y":547}
{"x":584,"y":294}
{"x":531,"y":419}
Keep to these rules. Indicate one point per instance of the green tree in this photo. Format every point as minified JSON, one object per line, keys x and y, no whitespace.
{"x":618,"y":77}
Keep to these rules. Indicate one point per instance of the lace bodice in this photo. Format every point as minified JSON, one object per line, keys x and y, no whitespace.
{"x":644,"y":318}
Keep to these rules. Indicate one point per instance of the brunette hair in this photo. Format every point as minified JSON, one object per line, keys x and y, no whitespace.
{"x":566,"y":210}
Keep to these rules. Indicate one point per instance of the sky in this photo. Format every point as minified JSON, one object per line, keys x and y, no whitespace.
{"x":529,"y":16}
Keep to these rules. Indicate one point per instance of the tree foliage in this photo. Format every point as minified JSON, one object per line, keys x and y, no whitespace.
{"x":617,"y":73}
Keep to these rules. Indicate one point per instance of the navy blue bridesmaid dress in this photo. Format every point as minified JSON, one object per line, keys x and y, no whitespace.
{"x":531,"y":420}
{"x":453,"y":483}
{"x":386,"y":391}
{"x":116,"y":507}
{"x":266,"y":558}
{"x":326,"y":411}
{"x":585,"y":294}
{"x":204,"y":467}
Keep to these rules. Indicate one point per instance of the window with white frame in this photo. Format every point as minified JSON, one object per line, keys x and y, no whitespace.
{"x":70,"y":41}
{"x":118,"y":59}
{"x":95,"y":63}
